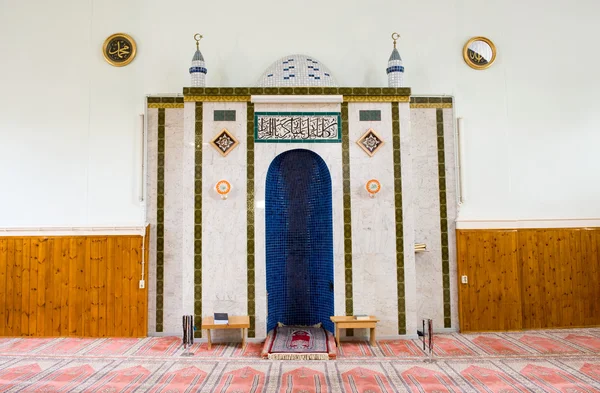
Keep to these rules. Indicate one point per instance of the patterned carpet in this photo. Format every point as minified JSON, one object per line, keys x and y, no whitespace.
{"x":542,"y":361}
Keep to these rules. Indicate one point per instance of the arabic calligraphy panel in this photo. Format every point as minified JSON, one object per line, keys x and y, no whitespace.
{"x":119,"y":49}
{"x":479,"y":53}
{"x":297,"y":127}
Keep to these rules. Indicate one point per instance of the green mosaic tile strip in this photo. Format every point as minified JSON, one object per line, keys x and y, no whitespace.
{"x":358,"y":91}
{"x":347,"y":215}
{"x":250,"y":218}
{"x":160,"y":221}
{"x":369,"y":115}
{"x":399,"y":220}
{"x":443,"y":217}
{"x":224,"y":115}
{"x":198,"y":222}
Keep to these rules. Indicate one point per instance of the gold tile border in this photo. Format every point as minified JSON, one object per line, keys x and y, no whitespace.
{"x":298,"y":90}
{"x":439,"y":114}
{"x":397,"y":161}
{"x":160,"y":221}
{"x":198,"y":131}
{"x":376,"y":99}
{"x":164,"y":105}
{"x":250,"y":262}
{"x":443,"y":105}
{"x":349,"y":300}
{"x":207,"y":98}
{"x":218,"y":98}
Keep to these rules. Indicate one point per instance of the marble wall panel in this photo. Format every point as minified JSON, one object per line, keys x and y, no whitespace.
{"x":373,"y":221}
{"x":151,"y":182}
{"x":429,"y":266}
{"x":224,"y":231}
{"x":409,"y":219}
{"x":173,"y":224}
{"x":187,"y":218}
{"x":427,"y":222}
{"x":450,"y":147}
{"x":224,"y":222}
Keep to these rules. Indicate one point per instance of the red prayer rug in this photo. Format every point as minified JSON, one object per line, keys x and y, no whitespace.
{"x":298,"y":343}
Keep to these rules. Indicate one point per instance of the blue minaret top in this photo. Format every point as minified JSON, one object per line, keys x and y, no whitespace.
{"x":395,"y":69}
{"x":198,"y":68}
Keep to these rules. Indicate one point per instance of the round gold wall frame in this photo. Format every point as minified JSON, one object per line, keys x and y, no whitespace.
{"x":119,"y":49}
{"x":477,"y":60}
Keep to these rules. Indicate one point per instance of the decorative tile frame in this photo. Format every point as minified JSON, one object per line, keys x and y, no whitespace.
{"x":242,"y":94}
{"x":443,"y":217}
{"x":160,"y":221}
{"x":198,"y":221}
{"x":165,"y":102}
{"x":383,"y":92}
{"x":431,"y":102}
{"x":224,"y":132}
{"x":347,"y":215}
{"x":250,"y":219}
{"x":370,"y":133}
{"x":369,"y":98}
{"x":299,"y":114}
{"x":399,"y":218}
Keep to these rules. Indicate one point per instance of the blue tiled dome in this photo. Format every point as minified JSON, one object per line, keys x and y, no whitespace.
{"x":296,"y":70}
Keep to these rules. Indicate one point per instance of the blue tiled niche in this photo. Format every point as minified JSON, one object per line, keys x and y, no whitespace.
{"x":299,"y":235}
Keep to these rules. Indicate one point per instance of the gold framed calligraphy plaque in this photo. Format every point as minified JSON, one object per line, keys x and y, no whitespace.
{"x":119,"y":49}
{"x":479,"y":53}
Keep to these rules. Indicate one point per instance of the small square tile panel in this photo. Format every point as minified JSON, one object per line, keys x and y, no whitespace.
{"x":224,"y":115}
{"x":370,"y":142}
{"x":224,"y":142}
{"x":371,"y":115}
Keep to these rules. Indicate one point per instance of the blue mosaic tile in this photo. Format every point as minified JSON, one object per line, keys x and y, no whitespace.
{"x":299,"y":238}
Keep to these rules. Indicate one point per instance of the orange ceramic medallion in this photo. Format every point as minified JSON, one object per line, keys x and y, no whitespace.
{"x":223,"y":187}
{"x":373,"y":186}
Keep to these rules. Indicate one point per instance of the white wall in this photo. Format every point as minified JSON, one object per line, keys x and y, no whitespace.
{"x":69,"y":143}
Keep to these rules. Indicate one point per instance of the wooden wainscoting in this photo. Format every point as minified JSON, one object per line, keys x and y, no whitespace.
{"x":85,"y":286}
{"x":491,"y":300}
{"x":528,"y":278}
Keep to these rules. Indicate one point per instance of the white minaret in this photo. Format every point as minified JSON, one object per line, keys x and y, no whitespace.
{"x":198,"y":68}
{"x":395,"y":69}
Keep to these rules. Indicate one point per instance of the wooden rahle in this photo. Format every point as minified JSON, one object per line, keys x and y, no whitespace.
{"x":348,"y":322}
{"x":235,"y":322}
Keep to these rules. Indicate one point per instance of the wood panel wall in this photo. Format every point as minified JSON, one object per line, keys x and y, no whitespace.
{"x":528,"y":278}
{"x":86,"y":286}
{"x":491,"y":297}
